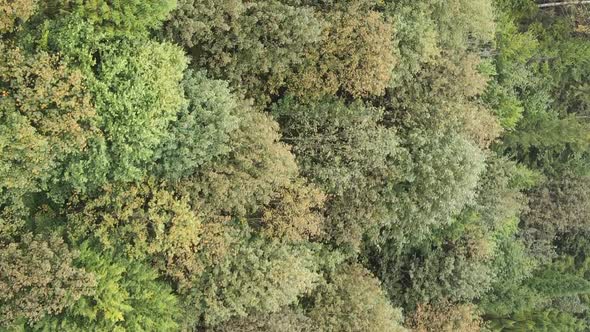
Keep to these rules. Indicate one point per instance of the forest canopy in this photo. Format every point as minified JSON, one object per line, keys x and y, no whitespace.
{"x":294,"y":165}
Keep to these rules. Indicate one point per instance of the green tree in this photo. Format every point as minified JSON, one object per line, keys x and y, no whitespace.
{"x":344,"y":150}
{"x":548,"y":320}
{"x":202,"y":131}
{"x":127,"y":297}
{"x":114,"y":17}
{"x":136,"y":90}
{"x":252,"y":276}
{"x":252,"y":44}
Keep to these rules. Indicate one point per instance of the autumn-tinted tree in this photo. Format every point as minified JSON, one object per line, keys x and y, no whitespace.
{"x":38,"y":278}
{"x":353,"y":301}
{"x":15,"y":12}
{"x":143,"y":220}
{"x":355,"y":55}
{"x":445,"y":317}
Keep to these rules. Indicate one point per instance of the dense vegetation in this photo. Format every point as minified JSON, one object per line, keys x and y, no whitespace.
{"x":294,"y":165}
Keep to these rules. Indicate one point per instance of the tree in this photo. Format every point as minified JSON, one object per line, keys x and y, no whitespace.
{"x":253,"y":45}
{"x":141,"y":221}
{"x":355,"y":56}
{"x":294,"y":213}
{"x":38,"y":278}
{"x":127,"y":297}
{"x":252,"y":276}
{"x":46,"y":120}
{"x":426,"y":32}
{"x":548,"y":320}
{"x":346,"y":152}
{"x":560,"y":205}
{"x":243,"y":181}
{"x":442,"y":180}
{"x":286,"y":320}
{"x":445,"y":317}
{"x":138,"y":93}
{"x":457,"y":261}
{"x":352,"y":300}
{"x":269,"y":48}
{"x":14,"y":13}
{"x":114,"y":17}
{"x":202,"y":130}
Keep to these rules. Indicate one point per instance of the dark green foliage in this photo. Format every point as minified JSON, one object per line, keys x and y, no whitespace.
{"x":560,"y":205}
{"x":549,"y":320}
{"x":251,"y":44}
{"x":285,"y":320}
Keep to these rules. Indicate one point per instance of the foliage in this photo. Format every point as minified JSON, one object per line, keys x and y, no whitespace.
{"x":38,"y":278}
{"x":15,"y":12}
{"x":294,"y":165}
{"x":143,"y":220}
{"x":445,"y":317}
{"x":353,"y":301}
{"x":255,"y":275}
{"x":127,"y":297}
{"x":344,"y":150}
{"x":114,"y":17}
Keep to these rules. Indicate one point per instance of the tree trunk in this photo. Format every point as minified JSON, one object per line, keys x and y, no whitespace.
{"x":563,"y":3}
